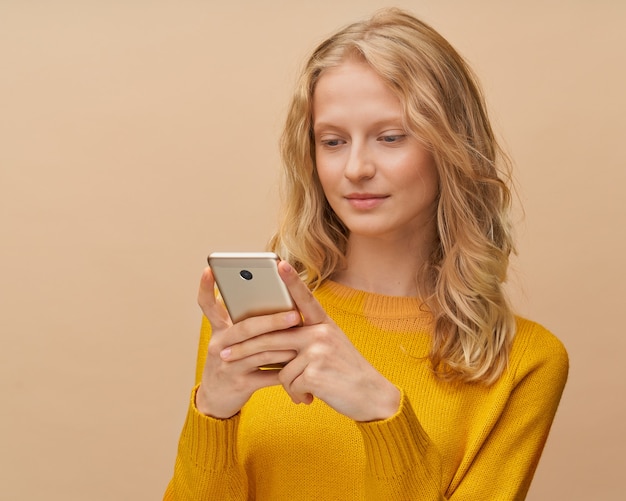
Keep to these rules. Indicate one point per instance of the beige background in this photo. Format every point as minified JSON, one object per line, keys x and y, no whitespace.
{"x":137,"y":136}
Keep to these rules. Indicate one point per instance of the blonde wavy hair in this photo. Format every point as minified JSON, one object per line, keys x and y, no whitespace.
{"x":462,"y":283}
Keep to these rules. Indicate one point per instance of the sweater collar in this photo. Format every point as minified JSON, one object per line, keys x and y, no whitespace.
{"x":368,"y":303}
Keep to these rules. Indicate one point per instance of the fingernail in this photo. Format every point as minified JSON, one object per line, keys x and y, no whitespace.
{"x":225,"y":353}
{"x":287,"y":267}
{"x":293,"y":317}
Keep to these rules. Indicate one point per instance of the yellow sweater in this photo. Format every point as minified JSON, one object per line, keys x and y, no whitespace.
{"x":454,"y":441}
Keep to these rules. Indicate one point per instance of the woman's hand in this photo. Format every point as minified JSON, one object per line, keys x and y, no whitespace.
{"x":326,"y":364}
{"x":228,"y":384}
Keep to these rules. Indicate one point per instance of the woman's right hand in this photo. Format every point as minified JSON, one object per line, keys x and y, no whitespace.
{"x":227,"y":386}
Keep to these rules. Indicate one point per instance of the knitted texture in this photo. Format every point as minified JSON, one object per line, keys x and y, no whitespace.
{"x":454,"y":441}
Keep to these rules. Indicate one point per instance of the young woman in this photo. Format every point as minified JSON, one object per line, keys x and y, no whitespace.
{"x":419,"y":383}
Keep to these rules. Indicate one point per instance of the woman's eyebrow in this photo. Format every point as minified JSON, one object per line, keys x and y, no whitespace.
{"x":395,"y":122}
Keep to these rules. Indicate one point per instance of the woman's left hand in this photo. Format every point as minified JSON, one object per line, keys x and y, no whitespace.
{"x":327,"y":365}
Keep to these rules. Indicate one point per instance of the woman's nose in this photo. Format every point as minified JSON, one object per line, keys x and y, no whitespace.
{"x":359,"y":163}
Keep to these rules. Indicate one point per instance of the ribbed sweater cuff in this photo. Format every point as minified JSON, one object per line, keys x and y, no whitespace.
{"x":208,"y":442}
{"x":396,"y":445}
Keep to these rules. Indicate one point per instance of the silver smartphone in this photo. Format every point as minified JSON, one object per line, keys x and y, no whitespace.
{"x":249,"y":283}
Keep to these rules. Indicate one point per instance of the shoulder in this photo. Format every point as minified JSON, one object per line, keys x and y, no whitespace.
{"x":535,"y":336}
{"x":536,"y":350}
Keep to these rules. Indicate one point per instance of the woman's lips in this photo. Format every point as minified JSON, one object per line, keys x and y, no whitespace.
{"x":365,"y":201}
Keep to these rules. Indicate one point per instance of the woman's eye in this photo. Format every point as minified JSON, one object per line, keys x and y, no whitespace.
{"x":331,"y":142}
{"x":392,"y":138}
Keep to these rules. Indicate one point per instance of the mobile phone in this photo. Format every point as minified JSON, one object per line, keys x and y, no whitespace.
{"x":249,"y":283}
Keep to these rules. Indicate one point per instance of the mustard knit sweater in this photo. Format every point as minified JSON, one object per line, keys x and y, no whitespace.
{"x":454,"y":441}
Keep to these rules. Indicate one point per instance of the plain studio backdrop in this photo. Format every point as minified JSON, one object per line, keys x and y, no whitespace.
{"x":138,"y":136}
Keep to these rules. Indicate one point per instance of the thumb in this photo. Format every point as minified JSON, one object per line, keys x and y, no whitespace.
{"x":211,"y":305}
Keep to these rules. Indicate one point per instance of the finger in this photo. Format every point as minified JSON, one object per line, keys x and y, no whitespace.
{"x":260,"y":359}
{"x":268,"y":333}
{"x":249,"y":331}
{"x":291,"y":377}
{"x":213,"y":309}
{"x":311,"y":311}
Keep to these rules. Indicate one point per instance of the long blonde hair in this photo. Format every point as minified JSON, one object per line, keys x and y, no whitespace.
{"x":462,"y":284}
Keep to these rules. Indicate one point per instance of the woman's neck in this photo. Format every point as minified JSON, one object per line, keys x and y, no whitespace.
{"x":383,"y":267}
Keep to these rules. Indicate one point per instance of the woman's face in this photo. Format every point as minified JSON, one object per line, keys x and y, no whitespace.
{"x":379,"y":180}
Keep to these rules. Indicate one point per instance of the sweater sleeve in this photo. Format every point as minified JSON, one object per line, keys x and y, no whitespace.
{"x":404,"y":464}
{"x":506,"y":462}
{"x":206,"y":465}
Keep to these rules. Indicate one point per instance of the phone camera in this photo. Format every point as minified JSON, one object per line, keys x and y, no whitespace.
{"x":245,"y":274}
